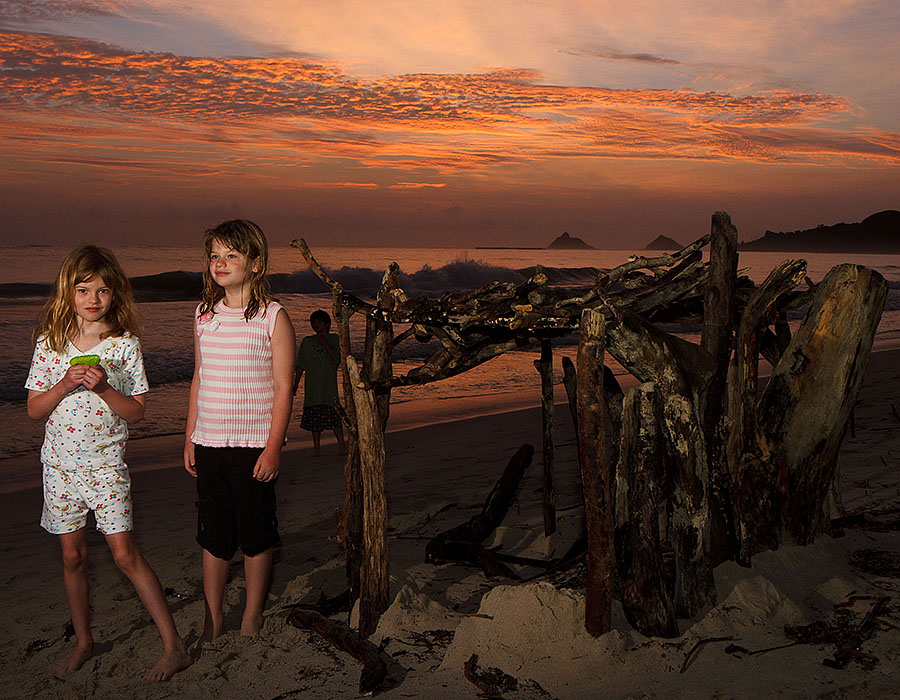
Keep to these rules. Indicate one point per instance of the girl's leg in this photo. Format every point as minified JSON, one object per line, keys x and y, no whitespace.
{"x":339,"y":436}
{"x":215,"y":576}
{"x":317,"y":440}
{"x":256,"y":571}
{"x":132,"y":563}
{"x":75,"y":558}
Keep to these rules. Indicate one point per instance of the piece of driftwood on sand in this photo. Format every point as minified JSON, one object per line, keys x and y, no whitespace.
{"x":374,"y":667}
{"x":463,"y":542}
{"x":741,"y":471}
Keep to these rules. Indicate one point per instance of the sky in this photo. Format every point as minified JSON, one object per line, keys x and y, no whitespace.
{"x":449,"y":124}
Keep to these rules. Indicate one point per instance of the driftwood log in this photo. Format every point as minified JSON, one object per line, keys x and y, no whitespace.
{"x":349,"y":517}
{"x":544,"y":367}
{"x":595,"y":475}
{"x":463,"y":542}
{"x":806,"y":405}
{"x":570,"y":382}
{"x":491,"y":682}
{"x":379,"y":343}
{"x":373,"y":599}
{"x":646,"y":597}
{"x":374,"y":667}
{"x":680,"y":370}
{"x":717,"y":339}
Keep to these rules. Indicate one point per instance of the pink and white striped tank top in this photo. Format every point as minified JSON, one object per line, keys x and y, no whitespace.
{"x":234,"y":405}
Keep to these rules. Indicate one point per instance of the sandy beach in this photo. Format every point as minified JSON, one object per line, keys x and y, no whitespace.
{"x":438,"y":476}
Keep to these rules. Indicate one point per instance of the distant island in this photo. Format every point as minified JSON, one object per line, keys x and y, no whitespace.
{"x":567,"y":242}
{"x":879,"y":233}
{"x":663,"y":243}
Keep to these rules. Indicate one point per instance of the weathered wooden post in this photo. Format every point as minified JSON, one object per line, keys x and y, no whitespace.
{"x":545,"y":367}
{"x":372,"y":412}
{"x":379,"y":343}
{"x":373,"y":594}
{"x":716,"y":339}
{"x":804,"y":409}
{"x":680,"y":370}
{"x":645,"y":597}
{"x":570,"y":382}
{"x":595,"y":475}
{"x":349,"y":517}
{"x":613,"y":397}
{"x":756,"y":480}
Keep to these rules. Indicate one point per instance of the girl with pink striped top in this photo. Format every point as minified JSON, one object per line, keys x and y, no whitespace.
{"x":238,"y":414}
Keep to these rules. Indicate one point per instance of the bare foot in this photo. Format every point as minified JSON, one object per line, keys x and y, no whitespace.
{"x":211,"y":630}
{"x":251,"y":627}
{"x":317,"y":452}
{"x":73,"y":661}
{"x":169,"y":664}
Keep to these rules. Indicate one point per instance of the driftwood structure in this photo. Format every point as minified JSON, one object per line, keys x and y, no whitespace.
{"x":694,"y":465}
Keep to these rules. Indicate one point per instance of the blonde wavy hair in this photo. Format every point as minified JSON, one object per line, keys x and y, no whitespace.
{"x":247,"y":238}
{"x":58,"y":323}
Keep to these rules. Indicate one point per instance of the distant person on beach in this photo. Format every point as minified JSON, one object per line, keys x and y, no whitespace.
{"x":87,"y":382}
{"x":319,"y":357}
{"x":240,"y":405}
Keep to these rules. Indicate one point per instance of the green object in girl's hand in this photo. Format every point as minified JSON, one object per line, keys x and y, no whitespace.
{"x":85,"y":360}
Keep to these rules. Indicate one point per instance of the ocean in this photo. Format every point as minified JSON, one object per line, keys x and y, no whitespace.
{"x":163,"y":273}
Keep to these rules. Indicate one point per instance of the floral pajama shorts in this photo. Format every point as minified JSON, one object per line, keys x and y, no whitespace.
{"x":69,"y":496}
{"x":319,"y":417}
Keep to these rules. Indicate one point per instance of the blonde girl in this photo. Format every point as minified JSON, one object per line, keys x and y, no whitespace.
{"x":87,"y":408}
{"x":238,"y":413}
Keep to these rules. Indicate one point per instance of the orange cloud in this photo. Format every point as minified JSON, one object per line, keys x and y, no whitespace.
{"x":77,"y":101}
{"x":342,"y":185}
{"x":417,"y":185}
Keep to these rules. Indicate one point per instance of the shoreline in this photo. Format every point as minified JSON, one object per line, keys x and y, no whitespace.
{"x":143,"y":454}
{"x":164,"y":451}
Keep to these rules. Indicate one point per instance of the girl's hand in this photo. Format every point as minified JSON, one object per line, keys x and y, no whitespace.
{"x":95,"y":379}
{"x":266,"y":468}
{"x":73,"y":378}
{"x":189,"y":459}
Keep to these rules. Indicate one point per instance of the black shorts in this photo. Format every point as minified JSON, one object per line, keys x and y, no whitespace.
{"x":234,"y":510}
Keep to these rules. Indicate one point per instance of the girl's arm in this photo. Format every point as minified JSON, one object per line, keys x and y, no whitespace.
{"x":129,"y":408}
{"x":41,"y":403}
{"x":283,"y":347}
{"x":192,"y":411}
